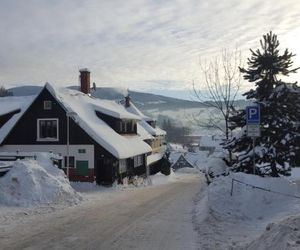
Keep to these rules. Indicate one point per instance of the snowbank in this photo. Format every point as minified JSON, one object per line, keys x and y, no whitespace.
{"x":248,"y":203}
{"x":188,"y":171}
{"x":278,"y":236}
{"x":216,"y":167}
{"x":36,"y":182}
{"x":231,"y":222}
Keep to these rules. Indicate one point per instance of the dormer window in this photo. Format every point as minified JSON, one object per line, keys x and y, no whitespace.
{"x":152,"y":123}
{"x":47,"y":105}
{"x":47,"y":129}
{"x":127,"y":126}
{"x":123,"y":126}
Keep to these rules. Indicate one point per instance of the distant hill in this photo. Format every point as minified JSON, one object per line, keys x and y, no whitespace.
{"x":145,"y":101}
{"x":157,"y":106}
{"x":25,"y":90}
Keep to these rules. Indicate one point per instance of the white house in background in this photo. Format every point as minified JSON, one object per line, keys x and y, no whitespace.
{"x":97,"y":139}
{"x":150,"y":133}
{"x":210,"y":143}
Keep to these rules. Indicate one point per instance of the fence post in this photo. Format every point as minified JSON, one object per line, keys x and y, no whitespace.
{"x":231,"y":187}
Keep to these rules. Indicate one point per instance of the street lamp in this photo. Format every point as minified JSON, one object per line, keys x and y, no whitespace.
{"x":69,"y":114}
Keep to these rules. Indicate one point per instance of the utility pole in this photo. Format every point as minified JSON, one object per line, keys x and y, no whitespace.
{"x":69,"y":114}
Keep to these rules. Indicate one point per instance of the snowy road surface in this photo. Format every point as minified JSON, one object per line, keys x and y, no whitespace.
{"x":158,"y":217}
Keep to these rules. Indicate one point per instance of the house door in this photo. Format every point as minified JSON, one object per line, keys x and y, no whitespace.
{"x":104,"y":172}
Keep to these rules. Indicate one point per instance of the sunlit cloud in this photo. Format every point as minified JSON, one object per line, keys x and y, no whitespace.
{"x":133,"y":44}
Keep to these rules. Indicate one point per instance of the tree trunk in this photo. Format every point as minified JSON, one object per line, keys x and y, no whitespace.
{"x":274,"y":172}
{"x":227,"y":137}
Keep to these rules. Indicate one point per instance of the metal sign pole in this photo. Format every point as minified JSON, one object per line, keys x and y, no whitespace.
{"x":68,"y":146}
{"x":253,"y":155}
{"x":253,"y":127}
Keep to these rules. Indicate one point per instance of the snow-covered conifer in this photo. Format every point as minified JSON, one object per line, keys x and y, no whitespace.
{"x":277,"y":148}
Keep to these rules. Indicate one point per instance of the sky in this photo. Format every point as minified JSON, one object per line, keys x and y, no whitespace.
{"x":145,"y":45}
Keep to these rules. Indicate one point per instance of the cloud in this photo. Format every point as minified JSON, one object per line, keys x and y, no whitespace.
{"x":133,"y":44}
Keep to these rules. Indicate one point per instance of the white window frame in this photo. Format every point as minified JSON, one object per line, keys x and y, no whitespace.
{"x":38,"y":129}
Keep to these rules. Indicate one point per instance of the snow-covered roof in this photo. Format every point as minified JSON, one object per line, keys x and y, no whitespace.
{"x":208,"y":141}
{"x":198,"y":159}
{"x":174,"y":156}
{"x":176,"y":147}
{"x":143,"y":133}
{"x":10,"y":104}
{"x":143,"y":124}
{"x":106,"y":107}
{"x":150,"y":130}
{"x":134,"y":110}
{"x":85,"y":106}
{"x":154,"y":158}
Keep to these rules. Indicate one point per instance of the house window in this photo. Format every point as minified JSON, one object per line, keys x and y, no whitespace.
{"x":122,"y":166}
{"x":47,"y":129}
{"x":122,"y":126}
{"x":47,"y":105}
{"x":126,"y":126}
{"x":138,"y":161}
{"x":81,"y":151}
{"x":71,"y":161}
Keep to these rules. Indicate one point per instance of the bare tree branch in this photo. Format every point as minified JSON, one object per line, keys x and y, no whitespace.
{"x":221,"y":84}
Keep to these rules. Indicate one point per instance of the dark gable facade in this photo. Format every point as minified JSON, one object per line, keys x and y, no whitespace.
{"x":181,"y":163}
{"x":43,"y":127}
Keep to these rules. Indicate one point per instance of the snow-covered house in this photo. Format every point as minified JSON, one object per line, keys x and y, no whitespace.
{"x":210,"y":143}
{"x":150,"y":133}
{"x":182,"y":162}
{"x":99,"y":136}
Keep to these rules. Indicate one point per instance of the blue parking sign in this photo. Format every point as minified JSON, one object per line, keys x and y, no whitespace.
{"x":253,"y":114}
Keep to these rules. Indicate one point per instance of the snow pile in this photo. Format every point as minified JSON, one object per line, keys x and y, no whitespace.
{"x":248,"y":203}
{"x":216,"y":167}
{"x":278,"y":236}
{"x":188,"y":171}
{"x":36,"y":182}
{"x":231,"y":222}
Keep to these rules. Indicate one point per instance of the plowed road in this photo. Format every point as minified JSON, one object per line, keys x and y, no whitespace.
{"x":158,"y":217}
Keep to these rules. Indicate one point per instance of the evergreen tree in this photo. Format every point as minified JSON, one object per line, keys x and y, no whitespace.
{"x":278,"y":146}
{"x":4,"y":92}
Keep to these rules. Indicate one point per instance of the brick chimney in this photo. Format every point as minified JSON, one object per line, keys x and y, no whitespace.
{"x":127,"y":101}
{"x":85,"y":81}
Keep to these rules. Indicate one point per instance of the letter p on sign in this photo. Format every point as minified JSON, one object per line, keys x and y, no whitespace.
{"x":253,"y":114}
